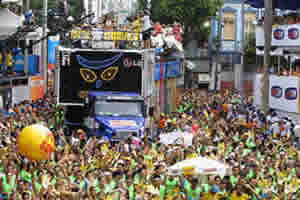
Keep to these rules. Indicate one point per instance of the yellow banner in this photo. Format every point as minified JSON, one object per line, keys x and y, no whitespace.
{"x":105,"y":36}
{"x":80,"y":35}
{"x":118,"y":36}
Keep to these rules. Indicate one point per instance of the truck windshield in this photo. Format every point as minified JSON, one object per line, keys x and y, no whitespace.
{"x":119,"y":108}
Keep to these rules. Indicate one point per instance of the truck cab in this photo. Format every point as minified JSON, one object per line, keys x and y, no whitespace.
{"x":115,"y":116}
{"x":111,"y":115}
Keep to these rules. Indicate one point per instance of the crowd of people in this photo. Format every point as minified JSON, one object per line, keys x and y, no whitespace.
{"x":261,"y":148}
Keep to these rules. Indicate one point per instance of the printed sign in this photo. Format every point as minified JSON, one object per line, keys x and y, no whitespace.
{"x":97,"y":35}
{"x":284,"y":93}
{"x":36,"y":84}
{"x":285,"y":35}
{"x":84,"y":71}
{"x":118,"y":123}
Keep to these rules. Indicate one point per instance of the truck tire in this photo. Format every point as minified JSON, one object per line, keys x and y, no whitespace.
{"x":67,"y":131}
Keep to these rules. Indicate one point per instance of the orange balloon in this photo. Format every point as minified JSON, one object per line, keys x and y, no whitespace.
{"x":36,"y":142}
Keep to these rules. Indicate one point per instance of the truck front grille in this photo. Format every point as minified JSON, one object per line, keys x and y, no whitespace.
{"x":122,"y":135}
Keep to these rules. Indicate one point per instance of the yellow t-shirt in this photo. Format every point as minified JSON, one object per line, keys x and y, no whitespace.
{"x":191,"y":156}
{"x":209,"y":196}
{"x":242,"y":197}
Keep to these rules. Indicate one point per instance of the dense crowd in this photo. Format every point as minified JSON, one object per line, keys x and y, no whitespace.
{"x":261,"y":148}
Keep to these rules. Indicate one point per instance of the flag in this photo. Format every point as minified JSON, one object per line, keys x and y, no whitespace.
{"x":66,"y":10}
{"x":62,"y":7}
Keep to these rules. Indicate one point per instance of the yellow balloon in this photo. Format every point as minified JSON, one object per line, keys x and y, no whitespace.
{"x":36,"y":142}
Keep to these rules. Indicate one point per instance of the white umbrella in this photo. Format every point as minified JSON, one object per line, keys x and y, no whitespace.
{"x":177,"y":138}
{"x":9,"y":23}
{"x":297,"y":130}
{"x":199,"y":166}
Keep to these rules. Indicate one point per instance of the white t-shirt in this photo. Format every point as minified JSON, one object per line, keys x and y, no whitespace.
{"x":75,"y":141}
{"x":146,"y":23}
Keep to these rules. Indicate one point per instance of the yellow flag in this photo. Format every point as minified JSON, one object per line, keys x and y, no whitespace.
{"x":67,"y":149}
{"x":104,"y":148}
{"x":221,"y":148}
{"x":3,"y":151}
{"x":206,"y":114}
{"x":84,"y":168}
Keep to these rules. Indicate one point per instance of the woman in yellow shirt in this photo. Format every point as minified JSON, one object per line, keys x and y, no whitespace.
{"x":238,"y":194}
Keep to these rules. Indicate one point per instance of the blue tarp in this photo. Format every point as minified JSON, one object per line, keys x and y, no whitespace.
{"x":32,"y":64}
{"x":52,"y":44}
{"x":280,"y":4}
{"x":172,"y":72}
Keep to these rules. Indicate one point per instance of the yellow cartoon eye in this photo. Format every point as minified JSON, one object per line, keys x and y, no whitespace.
{"x":110,"y":73}
{"x":88,"y":75}
{"x":83,"y":94}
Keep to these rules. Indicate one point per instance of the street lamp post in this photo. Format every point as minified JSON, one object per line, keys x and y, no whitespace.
{"x":268,"y":20}
{"x":45,"y":46}
{"x":240,"y":81}
{"x":26,"y":43}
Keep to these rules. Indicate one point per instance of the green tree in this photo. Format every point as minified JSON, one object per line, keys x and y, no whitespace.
{"x":75,"y":6}
{"x":250,"y":49}
{"x":190,"y":13}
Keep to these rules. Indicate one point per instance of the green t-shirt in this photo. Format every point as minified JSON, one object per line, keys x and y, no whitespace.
{"x":233,"y":180}
{"x":37,"y":186}
{"x":162,"y":191}
{"x":72,"y":179}
{"x":170,"y":185}
{"x":25,"y":176}
{"x":109,"y":187}
{"x":131,"y":192}
{"x":192,"y":193}
{"x":8,"y":187}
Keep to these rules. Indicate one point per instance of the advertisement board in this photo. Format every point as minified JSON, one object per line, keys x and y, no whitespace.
{"x":173,"y":70}
{"x":282,"y":36}
{"x":53,"y":42}
{"x":101,"y":35}
{"x":284,"y":93}
{"x":20,"y":93}
{"x":36,"y":87}
{"x":82,"y":71}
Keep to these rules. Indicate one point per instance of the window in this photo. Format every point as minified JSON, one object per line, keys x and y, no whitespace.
{"x":227,"y":67}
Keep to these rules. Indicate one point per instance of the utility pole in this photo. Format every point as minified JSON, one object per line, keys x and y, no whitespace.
{"x":45,"y":46}
{"x":268,"y":21}
{"x":166,"y":90}
{"x":219,"y":49}
{"x":26,"y":54}
{"x":241,"y":70}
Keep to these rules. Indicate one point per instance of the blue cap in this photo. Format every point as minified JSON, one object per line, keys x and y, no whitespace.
{"x":215,"y":189}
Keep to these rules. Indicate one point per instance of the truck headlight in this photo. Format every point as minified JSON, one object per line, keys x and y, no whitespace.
{"x":91,"y":123}
{"x":141,"y":132}
{"x":96,"y":124}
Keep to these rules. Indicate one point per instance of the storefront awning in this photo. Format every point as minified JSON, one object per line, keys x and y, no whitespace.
{"x":279,"y":4}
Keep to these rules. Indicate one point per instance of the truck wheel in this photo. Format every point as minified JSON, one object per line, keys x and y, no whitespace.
{"x":67,"y":131}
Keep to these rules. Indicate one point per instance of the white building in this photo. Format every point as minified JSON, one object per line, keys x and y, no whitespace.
{"x":122,"y":8}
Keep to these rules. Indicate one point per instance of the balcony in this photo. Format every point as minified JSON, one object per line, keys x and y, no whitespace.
{"x":197,"y":53}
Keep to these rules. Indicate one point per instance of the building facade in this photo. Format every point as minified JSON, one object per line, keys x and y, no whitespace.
{"x":238,"y":23}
